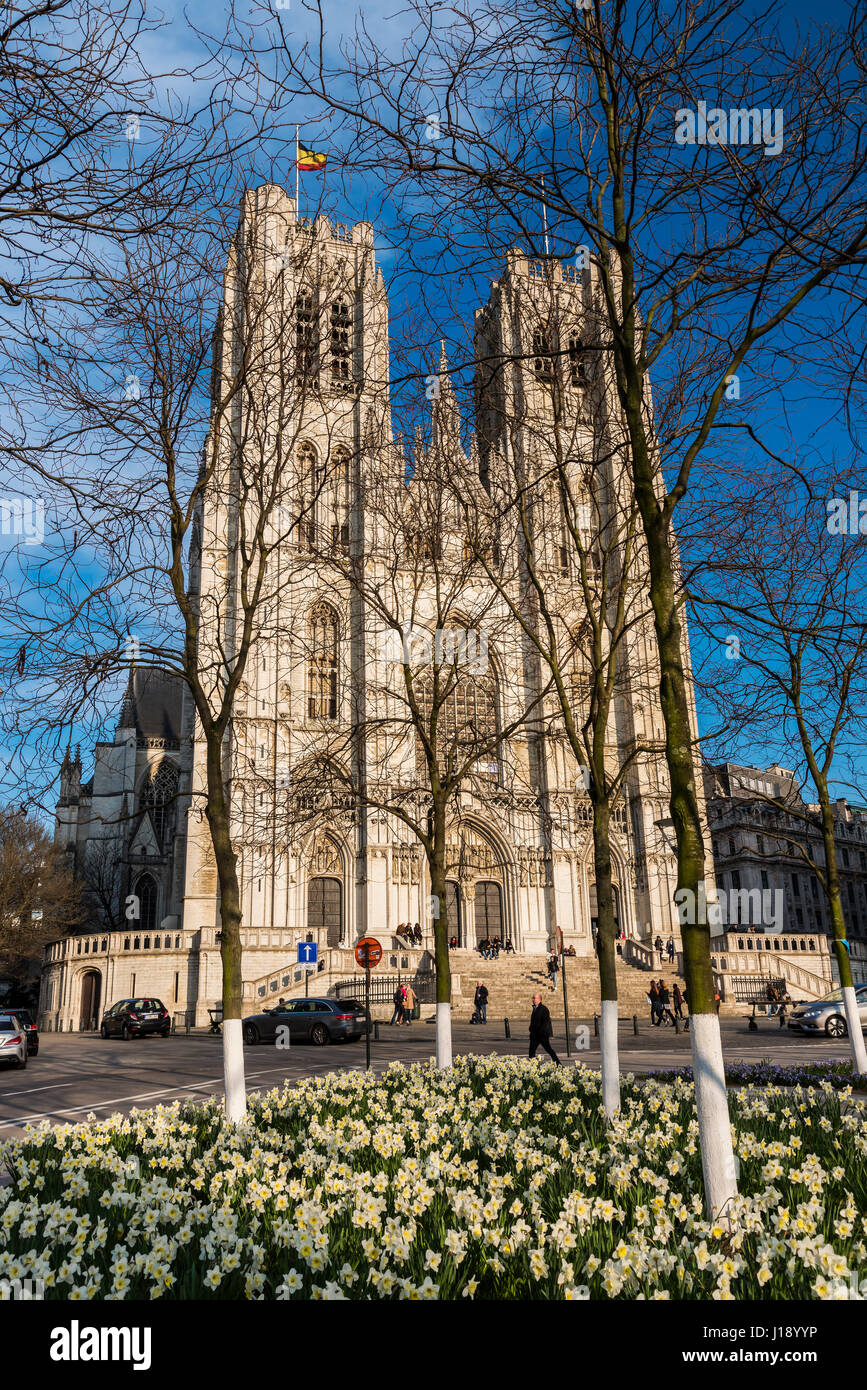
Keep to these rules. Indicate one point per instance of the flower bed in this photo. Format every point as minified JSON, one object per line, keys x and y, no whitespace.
{"x":838,"y":1074}
{"x":497,"y":1179}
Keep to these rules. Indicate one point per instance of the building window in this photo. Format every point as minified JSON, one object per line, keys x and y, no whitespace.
{"x":577,"y":364}
{"x":158,"y":795}
{"x":322,"y":670}
{"x":341,"y":345}
{"x":796,"y":885}
{"x":732,"y":850}
{"x":177,"y":981}
{"x":146,"y":892}
{"x":306,"y":341}
{"x":543,"y":362}
{"x":339,"y":481}
{"x":467,"y":720}
{"x":765,"y":883}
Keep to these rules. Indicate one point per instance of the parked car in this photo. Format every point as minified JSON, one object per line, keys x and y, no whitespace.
{"x":134,"y":1018}
{"x":28,"y":1023}
{"x":826,"y":1015}
{"x":13,"y":1041}
{"x":309,"y":1020}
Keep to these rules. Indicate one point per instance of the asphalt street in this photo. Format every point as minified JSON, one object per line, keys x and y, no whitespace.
{"x":75,"y":1074}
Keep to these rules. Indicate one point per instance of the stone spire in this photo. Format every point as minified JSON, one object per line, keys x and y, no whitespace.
{"x":446,"y":413}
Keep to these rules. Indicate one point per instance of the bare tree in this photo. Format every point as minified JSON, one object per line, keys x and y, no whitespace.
{"x":39,"y":900}
{"x":781,"y":594}
{"x":713,"y":229}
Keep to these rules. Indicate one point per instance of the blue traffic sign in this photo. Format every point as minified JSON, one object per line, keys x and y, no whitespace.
{"x":307,"y":952}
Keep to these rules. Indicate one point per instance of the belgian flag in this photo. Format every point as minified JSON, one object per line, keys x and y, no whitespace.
{"x":309,"y":162}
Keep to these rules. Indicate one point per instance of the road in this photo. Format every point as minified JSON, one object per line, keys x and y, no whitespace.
{"x":75,"y":1074}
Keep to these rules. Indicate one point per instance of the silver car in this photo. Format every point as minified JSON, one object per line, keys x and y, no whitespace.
{"x":827,"y":1015}
{"x":13,"y":1041}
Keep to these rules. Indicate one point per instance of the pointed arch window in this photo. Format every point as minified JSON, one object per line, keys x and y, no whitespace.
{"x":577,"y":362}
{"x":468,"y":720}
{"x":341,"y":345}
{"x":311,"y":478}
{"x":306,"y":340}
{"x":146,"y":892}
{"x":158,"y":795}
{"x":543,"y":361}
{"x":324,"y":641}
{"x":339,"y":484}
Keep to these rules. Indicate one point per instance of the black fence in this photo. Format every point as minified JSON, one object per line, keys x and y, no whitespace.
{"x":382,"y":987}
{"x":753,"y":989}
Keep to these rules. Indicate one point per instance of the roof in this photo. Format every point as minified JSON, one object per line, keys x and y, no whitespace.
{"x":152,"y":703}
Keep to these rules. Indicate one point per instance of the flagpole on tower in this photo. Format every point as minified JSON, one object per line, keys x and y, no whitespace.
{"x":545,"y":217}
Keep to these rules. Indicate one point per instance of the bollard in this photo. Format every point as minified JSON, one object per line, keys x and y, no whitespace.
{"x":635,"y":1024}
{"x":596,"y":1025}
{"x":508,"y":1029}
{"x":676,"y":1024}
{"x":376,"y":1030}
{"x":752,"y":1026}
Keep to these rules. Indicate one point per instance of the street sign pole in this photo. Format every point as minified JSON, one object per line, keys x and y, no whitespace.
{"x":565,"y":1003}
{"x":306,"y":984}
{"x":565,"y":995}
{"x":367,"y":1007}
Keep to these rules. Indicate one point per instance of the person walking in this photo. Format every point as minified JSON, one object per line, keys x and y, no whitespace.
{"x":480,"y":999}
{"x":541,"y":1029}
{"x":658,"y":946}
{"x":670,"y":949}
{"x":677,"y":1000}
{"x":397,"y":1016}
{"x":653,"y":1000}
{"x":665,"y":1004}
{"x":555,"y":966}
{"x":409,"y":1003}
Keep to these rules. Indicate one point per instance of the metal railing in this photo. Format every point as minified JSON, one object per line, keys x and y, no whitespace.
{"x":382,"y":987}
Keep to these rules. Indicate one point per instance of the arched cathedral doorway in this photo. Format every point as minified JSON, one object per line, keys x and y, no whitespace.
{"x":325,"y":909}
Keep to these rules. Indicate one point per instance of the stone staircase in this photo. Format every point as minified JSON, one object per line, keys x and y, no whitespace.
{"x":513,"y":980}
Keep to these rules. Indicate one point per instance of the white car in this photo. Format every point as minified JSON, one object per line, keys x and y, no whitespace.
{"x":13,"y":1041}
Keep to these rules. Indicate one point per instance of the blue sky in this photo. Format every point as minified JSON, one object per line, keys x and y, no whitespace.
{"x":802,"y":422}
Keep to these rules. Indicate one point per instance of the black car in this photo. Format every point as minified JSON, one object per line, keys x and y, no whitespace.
{"x":134,"y":1018}
{"x":308,"y":1020}
{"x":28,"y":1023}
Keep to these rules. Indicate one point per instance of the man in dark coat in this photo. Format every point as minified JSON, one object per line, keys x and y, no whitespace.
{"x":481,"y":1002}
{"x":541,"y":1029}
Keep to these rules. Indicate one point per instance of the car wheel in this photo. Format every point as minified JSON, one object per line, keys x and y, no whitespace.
{"x":22,"y":1061}
{"x":125,"y":1033}
{"x":165,"y":1032}
{"x":103,"y":1032}
{"x":836,"y":1027}
{"x":251,"y":1034}
{"x":319,"y":1034}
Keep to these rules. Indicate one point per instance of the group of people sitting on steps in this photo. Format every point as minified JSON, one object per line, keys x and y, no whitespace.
{"x":408,"y":932}
{"x":490,"y":948}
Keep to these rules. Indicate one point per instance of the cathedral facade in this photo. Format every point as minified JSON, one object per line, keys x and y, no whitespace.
{"x":322,"y":681}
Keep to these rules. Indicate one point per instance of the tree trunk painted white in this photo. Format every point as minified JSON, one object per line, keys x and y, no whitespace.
{"x":856,"y":1037}
{"x":444,"y":1036}
{"x":714,"y":1126}
{"x":610,"y":1058}
{"x":233,"y":1070}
